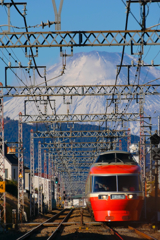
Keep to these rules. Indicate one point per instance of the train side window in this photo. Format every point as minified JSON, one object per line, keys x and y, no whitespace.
{"x":128,"y":183}
{"x":104,"y":184}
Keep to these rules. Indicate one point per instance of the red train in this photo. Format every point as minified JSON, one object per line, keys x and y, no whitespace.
{"x":113,"y":188}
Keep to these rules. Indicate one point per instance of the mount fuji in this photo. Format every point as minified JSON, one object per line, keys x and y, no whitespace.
{"x":93,"y":68}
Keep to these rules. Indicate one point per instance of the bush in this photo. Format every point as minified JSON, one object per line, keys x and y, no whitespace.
{"x":11,"y":187}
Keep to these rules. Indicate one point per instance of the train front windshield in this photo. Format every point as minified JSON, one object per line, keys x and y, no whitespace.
{"x":104,"y":183}
{"x":117,"y":183}
{"x":129,"y":183}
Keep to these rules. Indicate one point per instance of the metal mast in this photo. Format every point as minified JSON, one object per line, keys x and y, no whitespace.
{"x":32,"y":191}
{"x":158,"y":147}
{"x":128,"y":139}
{"x":39,"y":178}
{"x":49,"y":183}
{"x":57,"y":14}
{"x":45,"y":177}
{"x":142,"y":140}
{"x":20,"y":169}
{"x":2,"y":160}
{"x":120,"y":145}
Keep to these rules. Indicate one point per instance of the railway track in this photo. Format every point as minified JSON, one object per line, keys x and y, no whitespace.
{"x":68,"y":225}
{"x":128,"y":234}
{"x":50,"y":223}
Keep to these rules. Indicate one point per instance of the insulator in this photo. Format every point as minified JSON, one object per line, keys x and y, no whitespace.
{"x":19,"y":64}
{"x":152,"y":62}
{"x":24,"y":9}
{"x":44,"y":71}
{"x":132,"y":63}
{"x":9,"y":64}
{"x":29,"y":63}
{"x":117,"y":70}
{"x":142,"y":63}
{"x":49,"y":24}
{"x":42,"y":23}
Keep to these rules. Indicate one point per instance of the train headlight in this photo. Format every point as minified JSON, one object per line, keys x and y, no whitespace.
{"x":132,"y":196}
{"x":103,"y":197}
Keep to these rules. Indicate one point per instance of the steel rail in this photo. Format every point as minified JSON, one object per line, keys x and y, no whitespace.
{"x":26,"y":235}
{"x":79,"y":38}
{"x":60,"y":225}
{"x":113,"y":232}
{"x":142,"y":234}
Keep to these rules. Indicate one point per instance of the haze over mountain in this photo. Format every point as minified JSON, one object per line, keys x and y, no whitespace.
{"x":93,"y":68}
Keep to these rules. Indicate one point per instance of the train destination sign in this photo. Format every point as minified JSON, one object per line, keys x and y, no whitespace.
{"x":2,"y":187}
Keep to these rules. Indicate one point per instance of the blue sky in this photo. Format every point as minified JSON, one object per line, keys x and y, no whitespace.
{"x":79,"y":15}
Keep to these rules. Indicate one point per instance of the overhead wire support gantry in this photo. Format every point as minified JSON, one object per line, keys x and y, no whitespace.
{"x":119,"y":91}
{"x":79,"y":38}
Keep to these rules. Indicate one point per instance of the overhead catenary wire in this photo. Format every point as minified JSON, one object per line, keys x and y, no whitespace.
{"x":119,"y":70}
{"x":23,"y":72}
{"x":32,"y":50}
{"x":132,"y":14}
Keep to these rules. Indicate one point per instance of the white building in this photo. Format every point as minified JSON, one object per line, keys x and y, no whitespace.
{"x":44,"y":182}
{"x":11,"y":166}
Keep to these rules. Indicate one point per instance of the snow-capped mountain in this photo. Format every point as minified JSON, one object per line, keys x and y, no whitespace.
{"x":93,"y":68}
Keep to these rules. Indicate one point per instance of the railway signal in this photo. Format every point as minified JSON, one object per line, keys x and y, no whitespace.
{"x":56,"y":180}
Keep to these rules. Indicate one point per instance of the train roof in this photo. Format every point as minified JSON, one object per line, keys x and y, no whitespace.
{"x":114,"y":151}
{"x":116,"y":157}
{"x":118,"y":168}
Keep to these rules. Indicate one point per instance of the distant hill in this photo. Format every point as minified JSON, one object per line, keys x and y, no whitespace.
{"x":11,"y":135}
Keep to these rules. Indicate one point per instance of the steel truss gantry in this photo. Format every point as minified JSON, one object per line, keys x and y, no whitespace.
{"x":74,"y":153}
{"x":74,"y":134}
{"x":101,"y":117}
{"x":83,"y":145}
{"x":119,"y":91}
{"x":78,"y":159}
{"x":79,"y":38}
